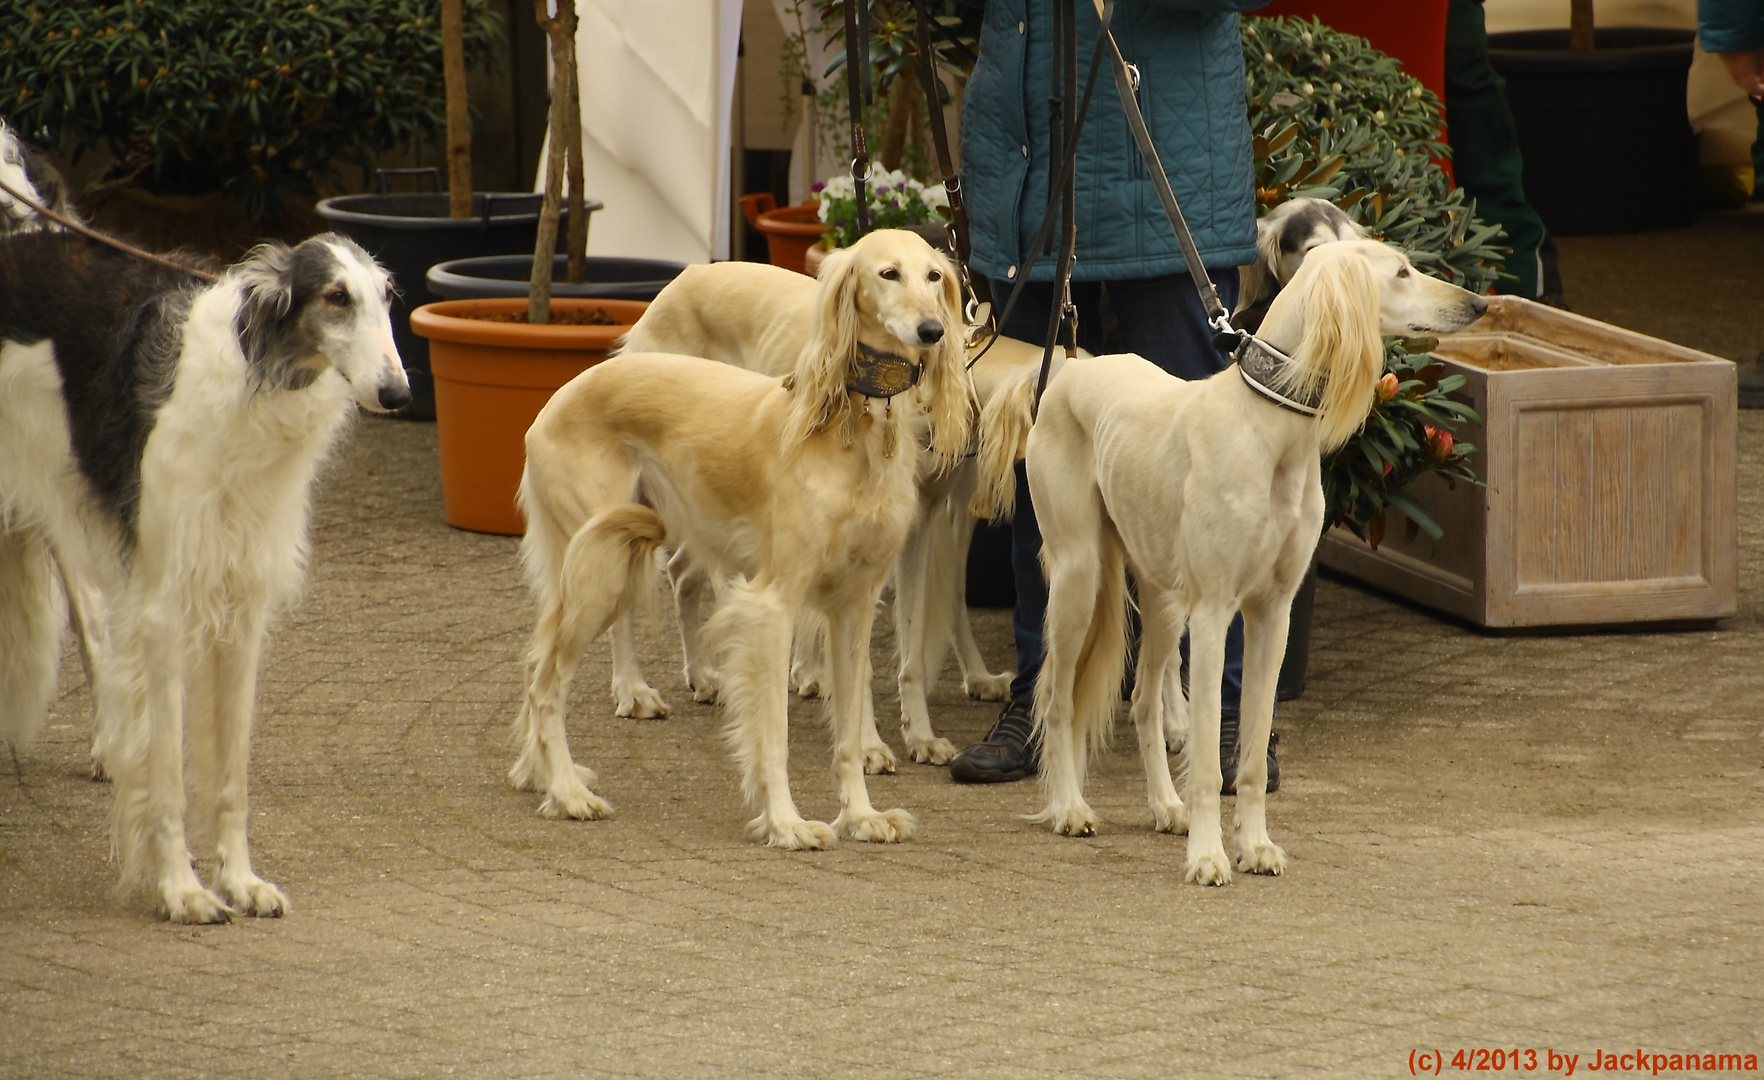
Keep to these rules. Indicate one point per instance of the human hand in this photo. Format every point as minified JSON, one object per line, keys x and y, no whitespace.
{"x":1747,"y":71}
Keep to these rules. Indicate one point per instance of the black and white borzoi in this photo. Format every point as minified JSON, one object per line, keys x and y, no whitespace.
{"x":158,"y":440}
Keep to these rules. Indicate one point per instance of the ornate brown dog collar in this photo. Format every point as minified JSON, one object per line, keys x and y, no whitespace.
{"x":877,"y":374}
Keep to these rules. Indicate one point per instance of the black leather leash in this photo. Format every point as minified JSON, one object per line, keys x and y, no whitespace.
{"x":1067,"y":171}
{"x":857,"y":81}
{"x":93,"y":234}
{"x":976,"y":296}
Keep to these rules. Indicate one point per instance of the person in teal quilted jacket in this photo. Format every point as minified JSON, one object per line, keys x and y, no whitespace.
{"x":1191,"y":91}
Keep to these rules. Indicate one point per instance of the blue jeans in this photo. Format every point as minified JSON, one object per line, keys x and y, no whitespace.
{"x":1162,"y":320}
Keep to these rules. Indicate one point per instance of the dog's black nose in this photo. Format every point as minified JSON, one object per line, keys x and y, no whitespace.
{"x":930,"y":331}
{"x":394,"y":397}
{"x":1478,"y":304}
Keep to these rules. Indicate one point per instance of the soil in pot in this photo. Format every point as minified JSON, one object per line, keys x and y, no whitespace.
{"x":491,"y":379}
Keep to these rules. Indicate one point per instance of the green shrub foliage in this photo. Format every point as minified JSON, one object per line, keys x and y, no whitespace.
{"x":1336,"y":119}
{"x":254,"y":97}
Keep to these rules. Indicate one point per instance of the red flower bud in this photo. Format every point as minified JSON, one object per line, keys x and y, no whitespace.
{"x":1387,"y":387}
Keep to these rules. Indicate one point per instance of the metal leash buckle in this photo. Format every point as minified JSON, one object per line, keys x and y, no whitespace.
{"x":869,"y":169}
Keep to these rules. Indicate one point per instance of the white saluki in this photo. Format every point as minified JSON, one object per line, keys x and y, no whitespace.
{"x":802,"y":487}
{"x":158,"y":440}
{"x":1210,"y":492}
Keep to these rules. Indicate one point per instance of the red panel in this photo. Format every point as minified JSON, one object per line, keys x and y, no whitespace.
{"x":1413,"y":31}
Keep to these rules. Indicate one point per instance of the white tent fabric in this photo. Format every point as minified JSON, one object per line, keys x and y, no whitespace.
{"x":657,"y":88}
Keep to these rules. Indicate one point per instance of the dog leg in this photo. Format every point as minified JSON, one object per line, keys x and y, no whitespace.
{"x":977,"y":681}
{"x":690,"y":581}
{"x":1264,"y":646}
{"x":753,"y":629}
{"x":920,"y":643}
{"x":234,"y":690}
{"x":1071,"y":598}
{"x":878,"y":758}
{"x":30,"y":634}
{"x":150,"y":780}
{"x":808,"y":668}
{"x":1206,"y":862}
{"x":89,"y":617}
{"x":632,"y":694}
{"x":848,"y":650}
{"x":1160,"y":621}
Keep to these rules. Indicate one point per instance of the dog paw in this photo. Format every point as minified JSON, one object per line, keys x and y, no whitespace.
{"x":641,"y":703}
{"x":193,"y":905}
{"x":1175,"y":733}
{"x":931,"y":751}
{"x":704,"y":686}
{"x":1208,"y":867}
{"x":1077,"y":819}
{"x":1169,"y":817}
{"x":884,"y":827}
{"x":795,"y":834}
{"x":249,"y":894}
{"x":1262,"y":857}
{"x":985,"y":687}
{"x":878,"y":760}
{"x":808,"y":686}
{"x":577,"y":802}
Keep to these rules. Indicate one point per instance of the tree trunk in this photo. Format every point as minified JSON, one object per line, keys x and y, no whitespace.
{"x":539,"y":281}
{"x":1580,"y":25}
{"x":901,"y":101}
{"x":578,"y":221}
{"x":459,"y":125}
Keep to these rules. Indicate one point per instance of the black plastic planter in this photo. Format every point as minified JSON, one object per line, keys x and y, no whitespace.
{"x":1608,"y":146}
{"x":412,"y":232}
{"x":507,"y":275}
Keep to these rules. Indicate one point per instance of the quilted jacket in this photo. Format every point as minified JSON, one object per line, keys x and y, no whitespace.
{"x":1728,"y":25}
{"x":1192,"y":95}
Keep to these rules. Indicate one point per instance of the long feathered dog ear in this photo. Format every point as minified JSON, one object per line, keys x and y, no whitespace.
{"x":1340,"y":347}
{"x":1255,"y":282}
{"x":266,"y":288}
{"x":818,"y":395}
{"x":953,"y":406}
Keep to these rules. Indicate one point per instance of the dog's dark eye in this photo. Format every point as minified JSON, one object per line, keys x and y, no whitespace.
{"x":337,"y":298}
{"x":935,"y":275}
{"x":1404,"y":272}
{"x":890,"y":274}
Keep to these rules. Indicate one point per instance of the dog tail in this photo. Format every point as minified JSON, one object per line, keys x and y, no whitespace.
{"x":607,"y":570}
{"x":30,"y":635}
{"x":1004,"y":430}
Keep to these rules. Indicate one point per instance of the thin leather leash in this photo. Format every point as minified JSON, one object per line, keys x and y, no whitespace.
{"x":976,"y":296}
{"x":857,"y":81}
{"x":93,"y":234}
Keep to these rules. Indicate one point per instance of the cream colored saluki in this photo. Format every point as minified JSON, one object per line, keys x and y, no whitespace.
{"x":796,"y":492}
{"x":1210,"y":493}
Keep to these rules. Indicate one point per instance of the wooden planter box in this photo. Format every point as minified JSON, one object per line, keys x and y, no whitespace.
{"x":1610,"y":463}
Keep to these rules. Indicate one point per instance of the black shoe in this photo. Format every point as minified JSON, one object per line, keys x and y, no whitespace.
{"x":1228,"y":756}
{"x":1009,"y":751}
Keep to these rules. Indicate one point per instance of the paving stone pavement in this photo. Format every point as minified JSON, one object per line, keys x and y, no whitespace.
{"x":1524,"y":842}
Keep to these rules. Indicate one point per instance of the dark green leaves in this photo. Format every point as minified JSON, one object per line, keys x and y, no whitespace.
{"x":254,"y":97}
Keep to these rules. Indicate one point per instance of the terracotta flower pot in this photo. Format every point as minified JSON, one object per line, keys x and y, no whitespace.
{"x":789,"y":230}
{"x":491,"y":380}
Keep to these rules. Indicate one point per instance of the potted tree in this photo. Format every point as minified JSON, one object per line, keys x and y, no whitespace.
{"x":1603,"y":123}
{"x":497,"y":361}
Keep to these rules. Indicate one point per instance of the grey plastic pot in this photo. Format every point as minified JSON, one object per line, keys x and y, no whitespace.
{"x":408,"y":233}
{"x":507,"y":275}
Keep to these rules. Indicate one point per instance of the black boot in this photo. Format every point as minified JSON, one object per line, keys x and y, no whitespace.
{"x":1228,"y":755}
{"x":1010,"y":751}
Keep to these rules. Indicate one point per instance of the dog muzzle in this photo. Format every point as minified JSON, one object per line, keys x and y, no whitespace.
{"x":877,"y":374}
{"x":1263,"y":368}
